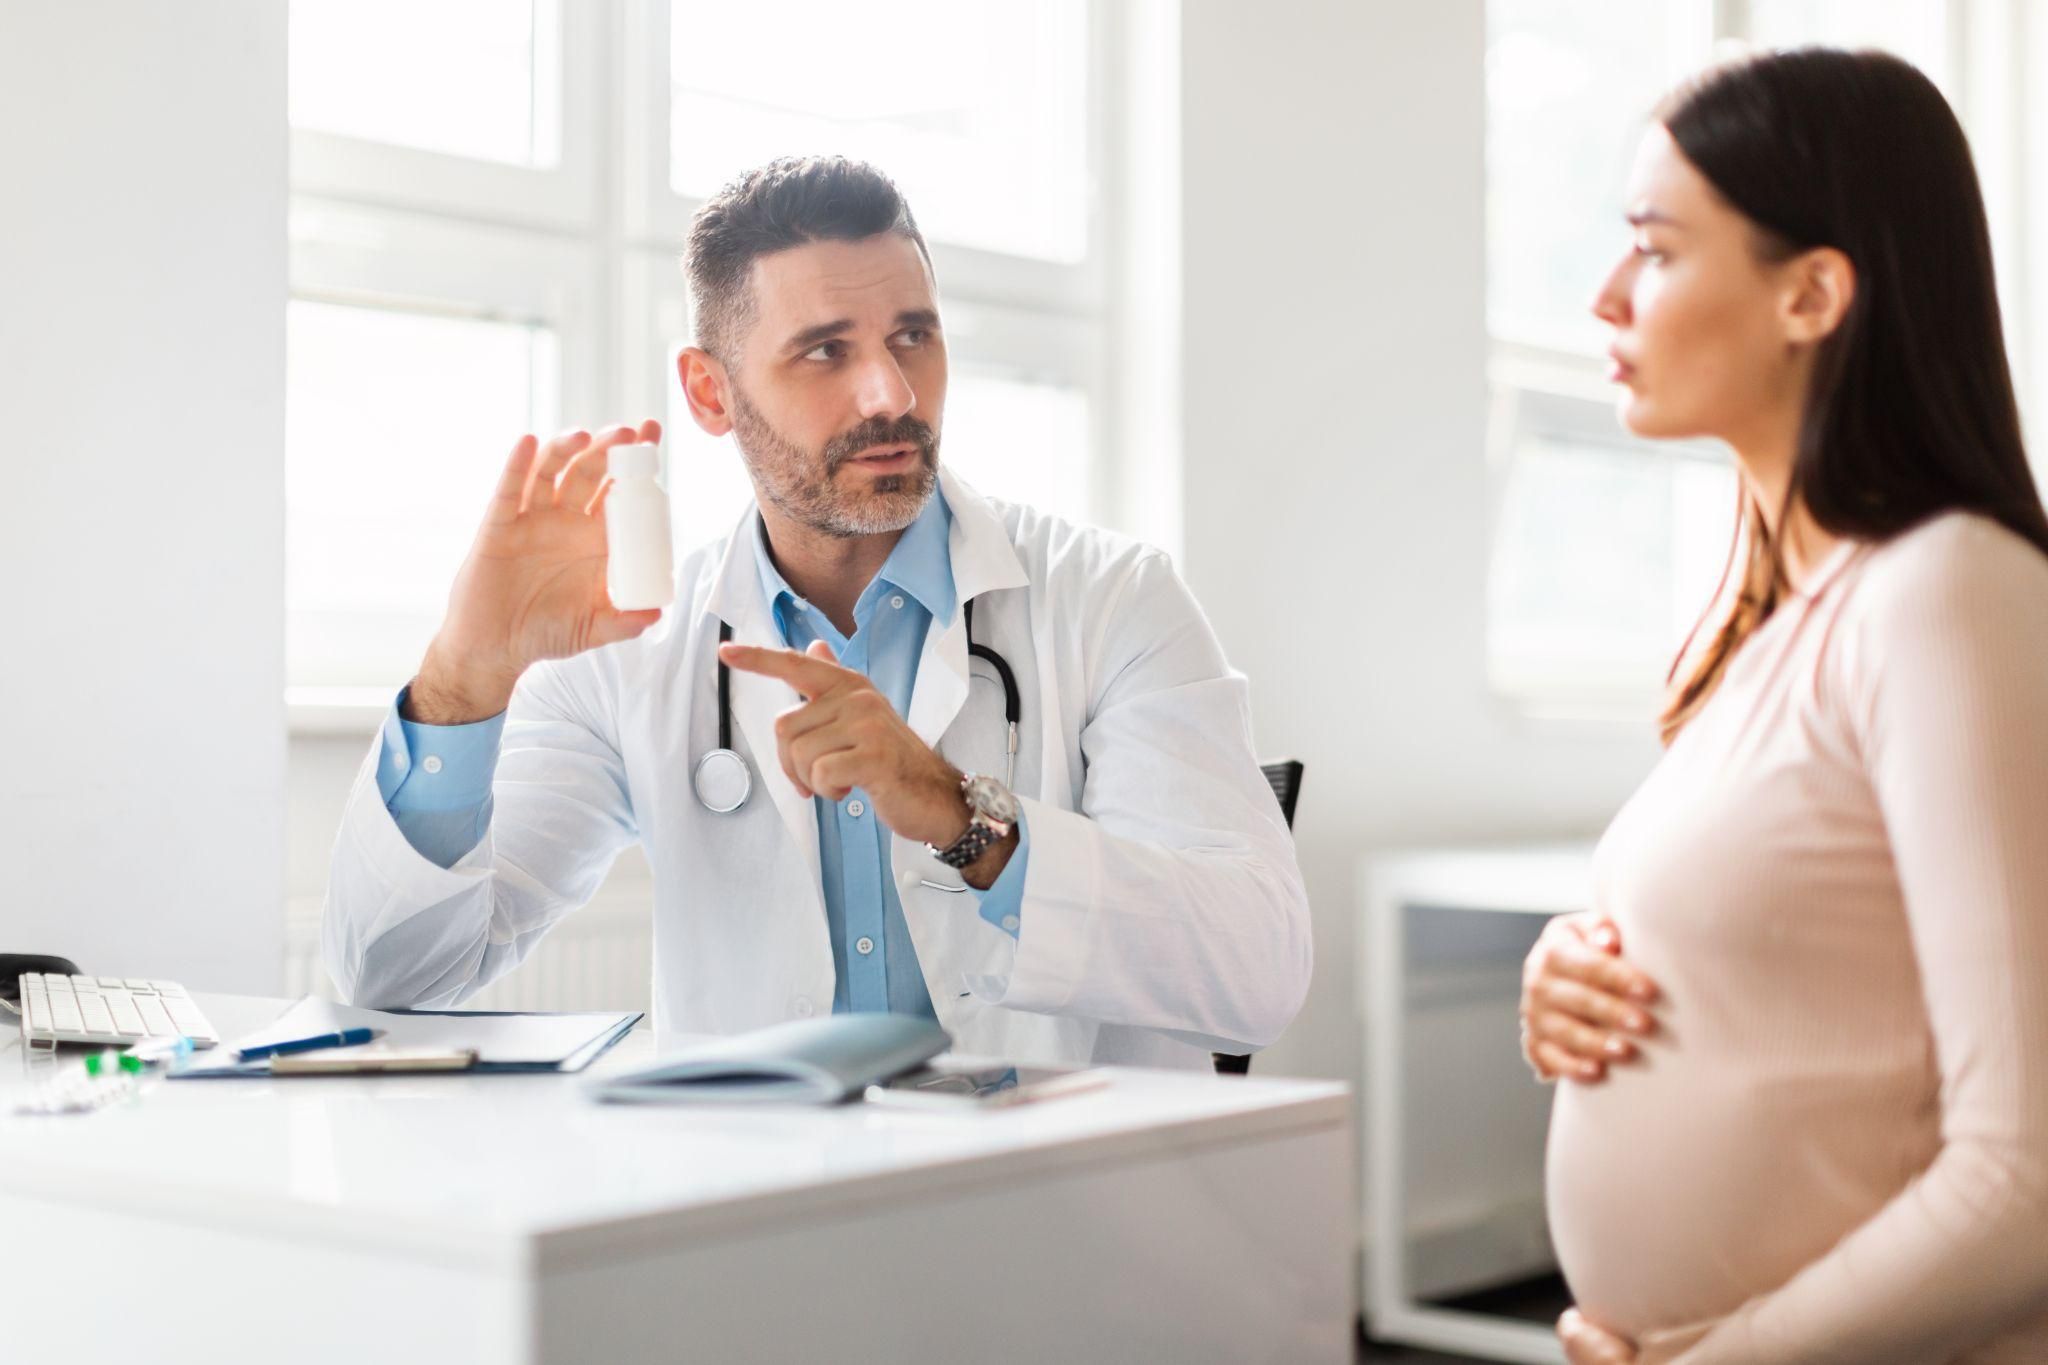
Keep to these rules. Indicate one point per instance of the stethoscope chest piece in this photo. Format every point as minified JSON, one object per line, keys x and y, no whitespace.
{"x":723,"y":781}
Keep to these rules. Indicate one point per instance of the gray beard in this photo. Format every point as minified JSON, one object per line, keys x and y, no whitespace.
{"x":803,"y":486}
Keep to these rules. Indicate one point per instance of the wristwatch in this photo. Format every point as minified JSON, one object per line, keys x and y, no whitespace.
{"x":991,"y":815}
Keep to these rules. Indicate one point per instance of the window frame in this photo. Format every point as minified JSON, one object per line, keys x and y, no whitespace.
{"x":1988,"y":48}
{"x":590,"y":246}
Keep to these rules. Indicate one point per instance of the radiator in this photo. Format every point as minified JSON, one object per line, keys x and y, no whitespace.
{"x":599,"y":958}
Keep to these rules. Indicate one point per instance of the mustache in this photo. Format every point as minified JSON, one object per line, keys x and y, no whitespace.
{"x":878,"y":431}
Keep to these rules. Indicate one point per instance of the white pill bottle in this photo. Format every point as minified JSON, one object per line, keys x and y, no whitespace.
{"x":640,"y":571}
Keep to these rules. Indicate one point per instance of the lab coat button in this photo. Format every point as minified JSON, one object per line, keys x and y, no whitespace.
{"x":803,"y":1007}
{"x":432,"y":763}
{"x":863,"y":945}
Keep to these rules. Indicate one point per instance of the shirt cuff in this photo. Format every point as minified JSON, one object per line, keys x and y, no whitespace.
{"x":1003,"y":903}
{"x":436,"y":767}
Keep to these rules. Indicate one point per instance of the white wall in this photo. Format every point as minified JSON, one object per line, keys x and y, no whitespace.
{"x":142,"y":285}
{"x":1333,"y":419}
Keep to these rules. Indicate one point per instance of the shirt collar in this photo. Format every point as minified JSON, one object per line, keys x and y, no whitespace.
{"x":921,"y":563}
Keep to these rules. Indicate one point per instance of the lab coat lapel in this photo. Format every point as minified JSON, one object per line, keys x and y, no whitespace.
{"x":756,"y":701}
{"x":984,"y":559}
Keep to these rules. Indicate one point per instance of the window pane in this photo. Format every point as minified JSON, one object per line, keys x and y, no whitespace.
{"x":1914,"y":29}
{"x":1020,"y":440}
{"x":1009,"y":437}
{"x":977,"y":109}
{"x":396,"y":428}
{"x":1569,"y":90}
{"x":1605,"y":557}
{"x":471,"y":78}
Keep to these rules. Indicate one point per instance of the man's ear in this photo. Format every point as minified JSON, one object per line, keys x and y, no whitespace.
{"x":1820,"y":287}
{"x":707,"y":388}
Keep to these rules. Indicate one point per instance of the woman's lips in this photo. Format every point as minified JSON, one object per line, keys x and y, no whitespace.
{"x":1619,"y":371}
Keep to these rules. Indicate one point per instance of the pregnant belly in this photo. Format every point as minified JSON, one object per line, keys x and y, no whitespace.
{"x":1681,"y":1187}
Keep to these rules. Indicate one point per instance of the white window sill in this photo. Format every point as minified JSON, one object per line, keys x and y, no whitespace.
{"x":347,"y":712}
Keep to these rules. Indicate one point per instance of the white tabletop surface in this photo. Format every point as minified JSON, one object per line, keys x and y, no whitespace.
{"x":516,"y":1170}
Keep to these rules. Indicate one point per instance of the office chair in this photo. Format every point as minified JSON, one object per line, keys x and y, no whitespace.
{"x":1284,"y":777}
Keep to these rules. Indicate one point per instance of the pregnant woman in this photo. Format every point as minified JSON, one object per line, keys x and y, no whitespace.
{"x":1806,"y":1026}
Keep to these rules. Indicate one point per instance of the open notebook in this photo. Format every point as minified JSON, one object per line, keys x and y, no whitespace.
{"x":815,"y":1061}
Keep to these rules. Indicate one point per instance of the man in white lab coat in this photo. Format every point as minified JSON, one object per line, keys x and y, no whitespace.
{"x":1128,"y":894}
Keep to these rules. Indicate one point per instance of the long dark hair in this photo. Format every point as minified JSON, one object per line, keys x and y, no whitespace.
{"x":1911,"y":410}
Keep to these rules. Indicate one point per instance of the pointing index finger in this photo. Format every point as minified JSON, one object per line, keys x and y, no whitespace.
{"x":809,"y":675}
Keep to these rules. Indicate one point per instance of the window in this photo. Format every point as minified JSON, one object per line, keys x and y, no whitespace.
{"x":1606,"y":548}
{"x":488,"y":203}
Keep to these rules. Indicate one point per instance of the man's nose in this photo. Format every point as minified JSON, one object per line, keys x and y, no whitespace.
{"x":884,"y":391}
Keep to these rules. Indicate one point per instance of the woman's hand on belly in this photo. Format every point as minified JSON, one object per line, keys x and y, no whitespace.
{"x":1588,"y":1343}
{"x":1583,"y":1004}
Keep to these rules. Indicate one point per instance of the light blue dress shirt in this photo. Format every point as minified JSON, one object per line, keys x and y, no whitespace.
{"x":436,"y":779}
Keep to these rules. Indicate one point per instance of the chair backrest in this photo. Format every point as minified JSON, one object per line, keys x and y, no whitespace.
{"x":1284,"y":777}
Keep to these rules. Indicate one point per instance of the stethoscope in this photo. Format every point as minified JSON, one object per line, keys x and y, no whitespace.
{"x":724,"y":781}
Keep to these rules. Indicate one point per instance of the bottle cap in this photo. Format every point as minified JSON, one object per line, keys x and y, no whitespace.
{"x":634,"y":462}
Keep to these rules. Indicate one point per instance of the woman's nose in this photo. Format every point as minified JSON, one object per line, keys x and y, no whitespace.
{"x":1610,"y":303}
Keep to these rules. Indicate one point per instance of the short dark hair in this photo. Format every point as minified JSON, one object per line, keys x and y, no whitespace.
{"x":784,"y":204}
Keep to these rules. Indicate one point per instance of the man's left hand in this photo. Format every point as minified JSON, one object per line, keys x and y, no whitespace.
{"x":845,"y":734}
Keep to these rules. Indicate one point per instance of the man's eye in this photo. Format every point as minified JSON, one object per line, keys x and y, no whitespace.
{"x":912,"y":336}
{"x":829,"y":350}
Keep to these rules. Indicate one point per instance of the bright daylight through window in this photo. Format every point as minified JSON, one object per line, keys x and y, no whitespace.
{"x":464,"y":270}
{"x":1605,"y":548}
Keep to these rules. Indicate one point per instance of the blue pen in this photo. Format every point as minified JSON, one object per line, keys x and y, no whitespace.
{"x":346,"y":1038}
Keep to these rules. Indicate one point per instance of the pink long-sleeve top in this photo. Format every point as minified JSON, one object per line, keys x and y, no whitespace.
{"x":1836,"y":1149}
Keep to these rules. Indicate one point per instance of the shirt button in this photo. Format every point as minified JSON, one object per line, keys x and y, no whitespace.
{"x":864,"y":945}
{"x":856,"y":809}
{"x":432,"y":763}
{"x":1010,"y":923}
{"x":897,"y":601}
{"x":803,"y":1007}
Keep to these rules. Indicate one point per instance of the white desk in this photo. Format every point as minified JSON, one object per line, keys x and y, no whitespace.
{"x":1537,"y":880}
{"x":507,"y":1218}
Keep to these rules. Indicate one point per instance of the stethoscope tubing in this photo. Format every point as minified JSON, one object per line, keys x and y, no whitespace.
{"x":730,"y":780}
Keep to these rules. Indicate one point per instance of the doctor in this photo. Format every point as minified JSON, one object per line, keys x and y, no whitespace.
{"x":1128,"y":893}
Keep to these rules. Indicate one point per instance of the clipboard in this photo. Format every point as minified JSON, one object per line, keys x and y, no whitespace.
{"x":372,"y":1059}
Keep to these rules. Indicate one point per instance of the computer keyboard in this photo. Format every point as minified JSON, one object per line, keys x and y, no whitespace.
{"x":111,"y":1010}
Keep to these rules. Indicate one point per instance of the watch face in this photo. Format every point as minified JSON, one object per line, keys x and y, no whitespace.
{"x":992,"y":799}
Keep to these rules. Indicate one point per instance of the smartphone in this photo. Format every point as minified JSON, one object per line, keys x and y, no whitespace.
{"x":986,"y":1087}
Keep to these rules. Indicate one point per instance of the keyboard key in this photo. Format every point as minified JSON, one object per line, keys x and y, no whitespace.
{"x":111,"y":981}
{"x":168,"y":988}
{"x":154,"y":1019}
{"x":85,"y":983}
{"x":127,"y":1018}
{"x":136,"y":983}
{"x":64,"y":1015}
{"x":191,"y":1023}
{"x":94,"y":1011}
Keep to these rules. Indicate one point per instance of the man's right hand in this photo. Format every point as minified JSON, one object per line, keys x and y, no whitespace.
{"x":533,"y":586}
{"x":1583,"y":1004}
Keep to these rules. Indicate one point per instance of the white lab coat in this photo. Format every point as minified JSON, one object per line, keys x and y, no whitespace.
{"x":1163,"y":911}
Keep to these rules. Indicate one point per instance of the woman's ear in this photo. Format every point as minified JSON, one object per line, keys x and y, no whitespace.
{"x":705,"y":386}
{"x":1820,"y":287}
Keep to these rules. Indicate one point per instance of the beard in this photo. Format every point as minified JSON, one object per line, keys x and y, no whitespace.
{"x":806,"y":488}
